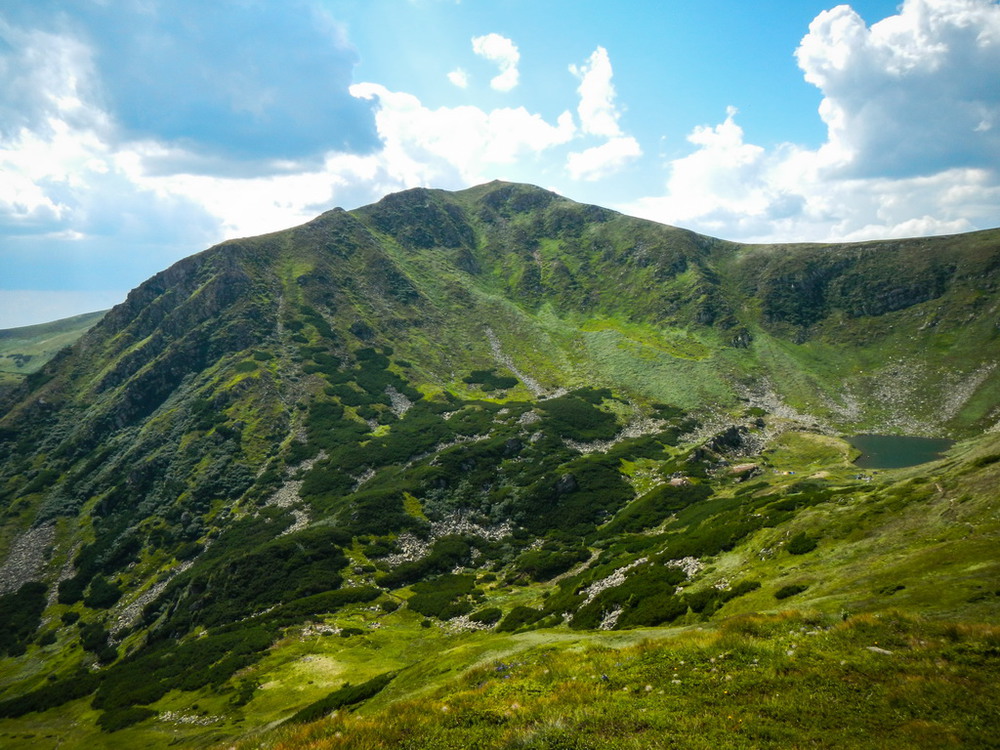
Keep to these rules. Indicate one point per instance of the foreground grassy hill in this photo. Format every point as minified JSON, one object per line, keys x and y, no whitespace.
{"x":455,"y":431}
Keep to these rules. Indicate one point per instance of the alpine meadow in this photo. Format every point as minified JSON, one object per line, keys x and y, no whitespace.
{"x":496,"y":469}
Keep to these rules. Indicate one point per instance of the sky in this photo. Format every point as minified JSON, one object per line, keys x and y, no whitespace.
{"x":136,"y":132}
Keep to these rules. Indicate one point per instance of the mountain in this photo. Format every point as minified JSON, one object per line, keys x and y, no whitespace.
{"x":393,"y":443}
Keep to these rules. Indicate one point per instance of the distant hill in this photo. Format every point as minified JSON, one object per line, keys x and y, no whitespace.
{"x":433,"y":447}
{"x":25,"y":349}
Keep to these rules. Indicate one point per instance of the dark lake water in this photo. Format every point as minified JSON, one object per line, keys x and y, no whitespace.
{"x":897,"y":452}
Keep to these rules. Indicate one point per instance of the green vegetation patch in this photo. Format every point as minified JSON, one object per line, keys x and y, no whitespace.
{"x":444,"y":597}
{"x":21,"y":614}
{"x":577,"y":416}
{"x":489,"y":380}
{"x":348,"y":695}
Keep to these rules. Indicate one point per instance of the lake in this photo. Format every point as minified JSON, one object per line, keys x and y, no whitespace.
{"x":897,"y":451}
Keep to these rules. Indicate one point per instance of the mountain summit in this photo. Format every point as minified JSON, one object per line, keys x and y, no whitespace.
{"x":488,"y":411}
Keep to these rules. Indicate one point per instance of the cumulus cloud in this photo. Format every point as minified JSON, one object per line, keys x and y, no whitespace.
{"x":459,"y":78}
{"x":599,"y":161}
{"x":598,"y":112}
{"x":910,"y":105}
{"x":502,"y":51}
{"x":599,"y":116}
{"x":454,"y":146}
{"x":913,"y":94}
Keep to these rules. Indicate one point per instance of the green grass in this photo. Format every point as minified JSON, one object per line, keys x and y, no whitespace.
{"x":765,"y":681}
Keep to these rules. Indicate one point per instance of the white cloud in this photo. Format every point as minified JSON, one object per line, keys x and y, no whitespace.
{"x":459,"y":78}
{"x":455,"y":145}
{"x":502,"y":51}
{"x":737,"y":190}
{"x":597,"y":110}
{"x":913,"y":94}
{"x":910,"y":105}
{"x":599,"y":117}
{"x":600,"y":161}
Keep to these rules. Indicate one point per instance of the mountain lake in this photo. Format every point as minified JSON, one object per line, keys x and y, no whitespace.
{"x":897,"y":451}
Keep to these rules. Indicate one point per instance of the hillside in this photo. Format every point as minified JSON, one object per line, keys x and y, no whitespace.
{"x":24,"y":350}
{"x":422,"y":437}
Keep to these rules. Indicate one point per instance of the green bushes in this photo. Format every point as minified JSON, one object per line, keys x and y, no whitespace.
{"x":112,"y":721}
{"x":707,"y":601}
{"x":790,"y":590}
{"x":575,"y":416}
{"x":328,"y":601}
{"x":646,"y":596}
{"x":655,"y":506}
{"x":488,"y":380}
{"x":348,"y":695}
{"x":801,"y":543}
{"x":77,"y":685}
{"x":586,"y":492}
{"x":487,"y":615}
{"x":328,"y":428}
{"x":447,"y":553}
{"x":988,"y":460}
{"x":290,"y":567}
{"x":102,"y":594}
{"x":651,"y":611}
{"x":232,"y":585}
{"x":21,"y":614}
{"x":148,"y":676}
{"x":444,"y":597}
{"x":549,"y":561}
{"x":520,"y":617}
{"x":380,"y":512}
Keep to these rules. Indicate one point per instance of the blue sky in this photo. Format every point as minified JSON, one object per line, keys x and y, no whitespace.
{"x":135,"y":132}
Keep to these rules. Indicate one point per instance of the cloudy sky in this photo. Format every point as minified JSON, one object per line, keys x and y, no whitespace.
{"x":135,"y":132}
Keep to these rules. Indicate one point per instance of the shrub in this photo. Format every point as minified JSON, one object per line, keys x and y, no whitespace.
{"x":348,"y":695}
{"x":575,"y":416}
{"x":93,"y":636}
{"x":75,"y":686}
{"x":490,"y":381}
{"x":444,"y":597}
{"x":120,"y":718}
{"x":102,"y":594}
{"x":487,"y":616}
{"x":653,"y":610}
{"x":21,"y":614}
{"x":653,"y":508}
{"x":802,"y":543}
{"x":328,"y":601}
{"x":520,"y":617}
{"x":790,"y":590}
{"x":544,"y":564}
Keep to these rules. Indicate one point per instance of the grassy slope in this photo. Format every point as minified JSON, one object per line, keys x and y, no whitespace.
{"x":24,"y":350}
